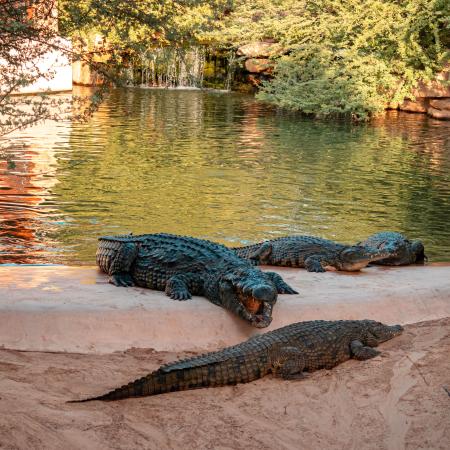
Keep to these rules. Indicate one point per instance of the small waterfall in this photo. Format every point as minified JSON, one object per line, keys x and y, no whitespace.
{"x":230,"y":71}
{"x":171,"y":67}
{"x":188,"y":67}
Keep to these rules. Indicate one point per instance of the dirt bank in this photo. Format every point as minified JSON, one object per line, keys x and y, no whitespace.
{"x":395,"y":401}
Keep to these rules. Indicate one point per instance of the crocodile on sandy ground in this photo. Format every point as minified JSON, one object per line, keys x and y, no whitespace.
{"x":184,"y":266}
{"x":401,"y":250}
{"x":310,"y":252}
{"x":286,"y":352}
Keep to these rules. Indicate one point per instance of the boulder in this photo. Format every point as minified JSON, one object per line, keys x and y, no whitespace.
{"x":440,"y":87}
{"x":84,"y":75}
{"x":260,"y":49}
{"x":262,"y":65}
{"x":441,"y":103}
{"x":392,"y":105}
{"x":442,"y":114}
{"x":420,"y":105}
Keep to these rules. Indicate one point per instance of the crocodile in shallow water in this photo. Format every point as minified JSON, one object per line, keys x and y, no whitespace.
{"x":401,"y":251}
{"x":310,"y":252}
{"x":182,"y":266}
{"x":286,"y":352}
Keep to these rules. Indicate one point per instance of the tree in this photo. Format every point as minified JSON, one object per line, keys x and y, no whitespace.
{"x":344,"y":57}
{"x":29,"y":31}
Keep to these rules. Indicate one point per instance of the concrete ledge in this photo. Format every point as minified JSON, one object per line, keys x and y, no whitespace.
{"x":74,"y":309}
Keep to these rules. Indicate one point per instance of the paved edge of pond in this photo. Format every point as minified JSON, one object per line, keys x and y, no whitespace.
{"x":74,"y":309}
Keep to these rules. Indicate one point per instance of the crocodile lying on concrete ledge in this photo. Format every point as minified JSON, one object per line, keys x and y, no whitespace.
{"x":182,"y":266}
{"x":401,"y":250}
{"x":286,"y":352}
{"x":310,"y":252}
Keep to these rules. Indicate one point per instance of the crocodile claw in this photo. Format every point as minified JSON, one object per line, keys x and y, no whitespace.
{"x":286,"y":290}
{"x":121,"y":279}
{"x":317,"y":269}
{"x":180,"y":296}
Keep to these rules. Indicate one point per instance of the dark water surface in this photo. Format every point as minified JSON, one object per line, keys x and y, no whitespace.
{"x":219,"y":166}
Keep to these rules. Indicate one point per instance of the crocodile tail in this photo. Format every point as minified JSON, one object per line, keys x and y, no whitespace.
{"x":247,"y":252}
{"x":152,"y":384}
{"x":210,"y":370}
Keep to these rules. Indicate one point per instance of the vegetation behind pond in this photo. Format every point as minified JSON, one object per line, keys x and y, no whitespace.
{"x":336,"y":57}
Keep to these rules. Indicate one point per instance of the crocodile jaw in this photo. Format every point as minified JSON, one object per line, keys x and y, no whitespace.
{"x":356,"y":258}
{"x":381,"y":332}
{"x":259,"y":311}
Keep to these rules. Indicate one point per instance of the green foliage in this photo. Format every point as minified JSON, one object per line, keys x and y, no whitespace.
{"x":141,"y":23}
{"x":140,"y":33}
{"x":344,"y":56}
{"x":316,"y":81}
{"x":341,"y":57}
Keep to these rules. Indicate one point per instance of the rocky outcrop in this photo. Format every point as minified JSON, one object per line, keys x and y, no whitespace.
{"x":84,"y":75}
{"x":266,"y":49}
{"x":440,"y":87}
{"x":432,"y":98}
{"x":262,"y":65}
{"x":420,"y":105}
{"x":258,"y":60}
{"x":440,"y":108}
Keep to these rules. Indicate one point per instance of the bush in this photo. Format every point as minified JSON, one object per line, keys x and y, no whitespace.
{"x":345,"y":57}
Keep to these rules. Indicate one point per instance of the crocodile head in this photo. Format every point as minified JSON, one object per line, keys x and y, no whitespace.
{"x":250,"y":295}
{"x":357,"y":256}
{"x":405,"y":252}
{"x":378,"y":332}
{"x":418,"y":252}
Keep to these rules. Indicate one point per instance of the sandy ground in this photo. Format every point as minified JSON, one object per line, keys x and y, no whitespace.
{"x":398,"y":400}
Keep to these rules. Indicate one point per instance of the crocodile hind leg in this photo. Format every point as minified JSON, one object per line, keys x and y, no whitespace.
{"x":262,"y":255}
{"x":287,"y":362}
{"x":361,"y":351}
{"x":280,"y":284}
{"x":119,"y":271}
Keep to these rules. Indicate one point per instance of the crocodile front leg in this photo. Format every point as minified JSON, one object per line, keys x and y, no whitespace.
{"x":361,"y":352}
{"x":119,"y":271}
{"x":181,"y":287}
{"x":280,"y":284}
{"x":315,"y":264}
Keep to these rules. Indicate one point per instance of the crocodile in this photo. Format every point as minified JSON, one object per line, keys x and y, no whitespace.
{"x":182,"y":266}
{"x":286,"y":352}
{"x":310,"y":252}
{"x":401,"y":250}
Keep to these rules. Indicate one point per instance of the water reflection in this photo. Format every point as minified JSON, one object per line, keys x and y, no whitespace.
{"x":27,"y":175}
{"x":223,"y":167}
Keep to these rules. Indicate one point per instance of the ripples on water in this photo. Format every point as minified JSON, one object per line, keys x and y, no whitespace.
{"x":223,"y":167}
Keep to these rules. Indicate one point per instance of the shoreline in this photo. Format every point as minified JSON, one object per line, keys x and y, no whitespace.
{"x":74,"y":309}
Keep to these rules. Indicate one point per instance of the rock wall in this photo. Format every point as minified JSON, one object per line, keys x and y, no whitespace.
{"x":84,"y":75}
{"x":431,"y":98}
{"x":257,"y":62}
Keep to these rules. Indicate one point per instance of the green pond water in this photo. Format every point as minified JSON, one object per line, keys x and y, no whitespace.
{"x":219,"y":166}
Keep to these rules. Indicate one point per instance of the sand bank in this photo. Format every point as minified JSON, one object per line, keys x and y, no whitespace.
{"x":395,"y":401}
{"x":74,"y":309}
